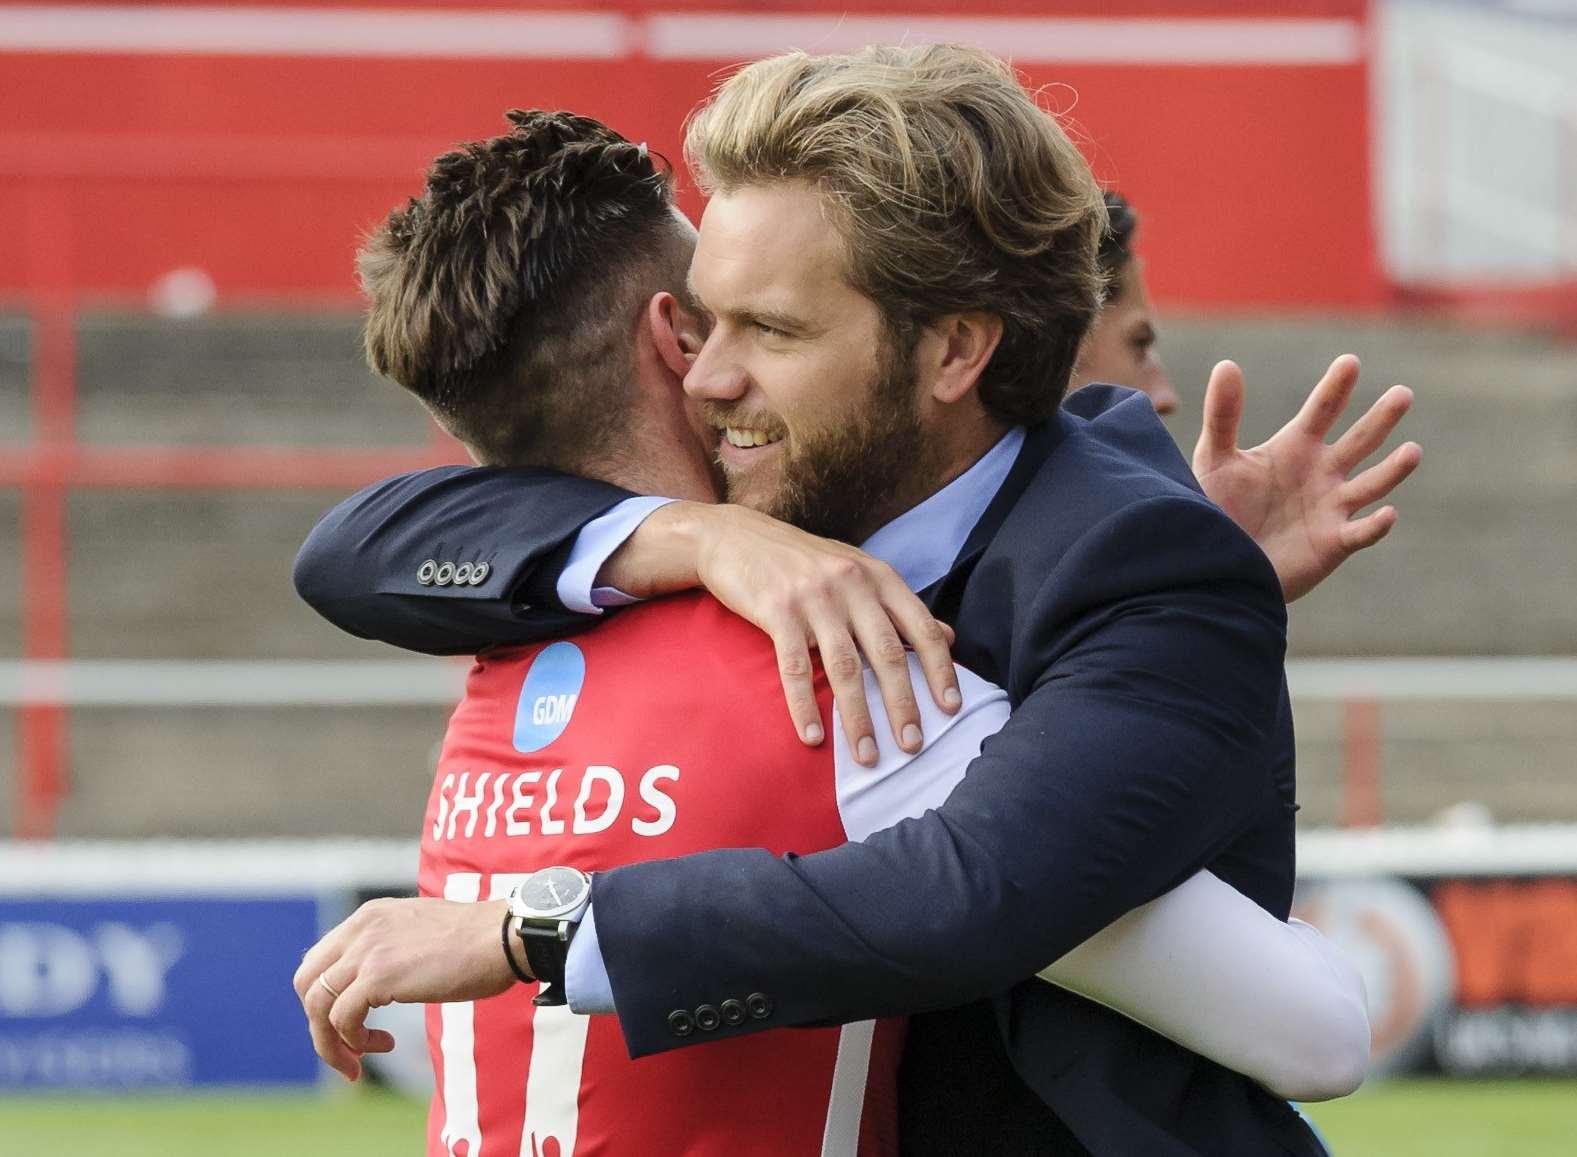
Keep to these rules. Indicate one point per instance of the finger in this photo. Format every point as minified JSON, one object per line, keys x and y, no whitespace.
{"x":348,"y":1016}
{"x":932,"y":641}
{"x":889,"y":659}
{"x":326,"y":1042}
{"x":799,"y":692}
{"x":1368,"y":530}
{"x":1223,"y":411}
{"x":320,"y":957}
{"x":1379,"y":480}
{"x":379,"y":1041}
{"x":1329,"y":398}
{"x":1369,"y":431}
{"x":846,"y":675}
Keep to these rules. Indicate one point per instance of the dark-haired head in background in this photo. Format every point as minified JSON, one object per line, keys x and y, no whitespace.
{"x":1120,"y":346}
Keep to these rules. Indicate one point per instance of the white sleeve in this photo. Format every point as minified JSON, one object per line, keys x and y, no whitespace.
{"x":901,"y":785}
{"x":1210,"y":969}
{"x":595,"y":543}
{"x":1202,"y":965}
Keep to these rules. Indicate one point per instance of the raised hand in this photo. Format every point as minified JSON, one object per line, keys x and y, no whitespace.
{"x":1296,"y":493}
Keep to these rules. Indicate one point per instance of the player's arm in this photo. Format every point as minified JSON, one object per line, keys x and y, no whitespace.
{"x":1149,"y":686}
{"x":1208,"y":968}
{"x":1202,"y":965}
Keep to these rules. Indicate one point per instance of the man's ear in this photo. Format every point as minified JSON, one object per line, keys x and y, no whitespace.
{"x":676,"y":332}
{"x":962,"y":344}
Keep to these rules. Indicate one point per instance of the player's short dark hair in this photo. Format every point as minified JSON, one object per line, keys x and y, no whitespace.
{"x":1117,"y":242}
{"x":506,"y":297}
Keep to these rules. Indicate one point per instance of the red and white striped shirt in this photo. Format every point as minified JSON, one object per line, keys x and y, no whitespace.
{"x":660,"y":733}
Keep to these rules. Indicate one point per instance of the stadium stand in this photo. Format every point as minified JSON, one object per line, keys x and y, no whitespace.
{"x":158,"y":575}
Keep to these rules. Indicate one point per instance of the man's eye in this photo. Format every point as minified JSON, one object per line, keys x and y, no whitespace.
{"x":769,"y":330}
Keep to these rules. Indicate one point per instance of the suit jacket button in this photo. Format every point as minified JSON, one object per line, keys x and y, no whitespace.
{"x":445,"y":574}
{"x":425,"y":572}
{"x":707,"y":1018}
{"x":680,"y":1022}
{"x":479,"y":573}
{"x":733,"y":1013}
{"x":462,"y":574}
{"x":758,"y":1004}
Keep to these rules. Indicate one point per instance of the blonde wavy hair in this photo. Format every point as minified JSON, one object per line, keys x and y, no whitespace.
{"x":952,"y":189}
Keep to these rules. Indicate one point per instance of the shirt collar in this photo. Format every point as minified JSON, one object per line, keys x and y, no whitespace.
{"x":922,"y":543}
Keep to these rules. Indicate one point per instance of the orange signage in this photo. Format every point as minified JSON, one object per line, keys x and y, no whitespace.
{"x":1515,"y":941}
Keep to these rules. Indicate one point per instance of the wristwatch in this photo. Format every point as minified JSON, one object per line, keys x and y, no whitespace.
{"x":544,"y":911}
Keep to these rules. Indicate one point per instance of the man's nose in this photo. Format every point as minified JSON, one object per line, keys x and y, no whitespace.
{"x":1163,"y":395}
{"x":714,"y":375}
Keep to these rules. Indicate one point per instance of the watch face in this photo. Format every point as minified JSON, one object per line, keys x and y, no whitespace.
{"x":553,"y":892}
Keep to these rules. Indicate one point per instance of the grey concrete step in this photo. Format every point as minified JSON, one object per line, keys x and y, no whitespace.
{"x":246,"y":380}
{"x":1482,"y":562}
{"x":223,"y":772}
{"x":1517,"y":759}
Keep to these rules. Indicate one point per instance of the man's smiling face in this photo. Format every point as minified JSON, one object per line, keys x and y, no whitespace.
{"x":816,"y":409}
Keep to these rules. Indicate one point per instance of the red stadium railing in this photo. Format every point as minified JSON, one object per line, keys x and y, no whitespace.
{"x":55,"y":462}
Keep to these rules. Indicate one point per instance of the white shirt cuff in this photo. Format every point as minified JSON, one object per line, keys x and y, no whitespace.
{"x":586,"y":984}
{"x":594,"y":545}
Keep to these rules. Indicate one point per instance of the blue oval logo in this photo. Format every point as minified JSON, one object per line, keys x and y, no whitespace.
{"x":548,"y":696}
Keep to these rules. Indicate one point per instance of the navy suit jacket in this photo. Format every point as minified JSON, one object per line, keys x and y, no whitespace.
{"x":1140,"y":635}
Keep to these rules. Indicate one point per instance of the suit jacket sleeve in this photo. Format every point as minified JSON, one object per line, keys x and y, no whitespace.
{"x":1148,"y":670}
{"x":358,"y":568}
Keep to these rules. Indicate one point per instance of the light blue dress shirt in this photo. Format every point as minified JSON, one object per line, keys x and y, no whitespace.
{"x":919,"y":544}
{"x":594,"y":545}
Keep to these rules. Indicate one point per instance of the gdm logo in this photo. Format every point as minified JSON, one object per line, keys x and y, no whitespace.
{"x":552,"y":708}
{"x":548,"y":696}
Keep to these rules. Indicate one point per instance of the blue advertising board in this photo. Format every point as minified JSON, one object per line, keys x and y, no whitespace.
{"x":153,"y":993}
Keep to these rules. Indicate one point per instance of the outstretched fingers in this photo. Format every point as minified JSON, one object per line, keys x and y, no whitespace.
{"x":1369,"y":432}
{"x":1364,"y":532}
{"x":1218,"y":439}
{"x":1383,"y":477}
{"x":1329,"y":398}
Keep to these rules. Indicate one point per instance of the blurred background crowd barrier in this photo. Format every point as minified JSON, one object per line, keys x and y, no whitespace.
{"x":181,"y":395}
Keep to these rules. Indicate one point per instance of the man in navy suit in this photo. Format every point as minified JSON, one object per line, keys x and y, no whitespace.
{"x":1137,"y":630}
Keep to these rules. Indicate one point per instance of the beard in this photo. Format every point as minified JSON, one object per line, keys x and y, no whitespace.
{"x":848,"y":479}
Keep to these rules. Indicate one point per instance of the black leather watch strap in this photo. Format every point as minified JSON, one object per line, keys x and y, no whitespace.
{"x":547,"y":950}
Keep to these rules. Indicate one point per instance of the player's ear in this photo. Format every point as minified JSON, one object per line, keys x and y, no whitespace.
{"x":676,"y":332}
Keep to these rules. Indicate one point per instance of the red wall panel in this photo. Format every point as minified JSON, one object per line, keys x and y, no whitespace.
{"x":1253,"y":179}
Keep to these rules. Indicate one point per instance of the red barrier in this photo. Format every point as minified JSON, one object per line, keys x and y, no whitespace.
{"x":1243,"y":141}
